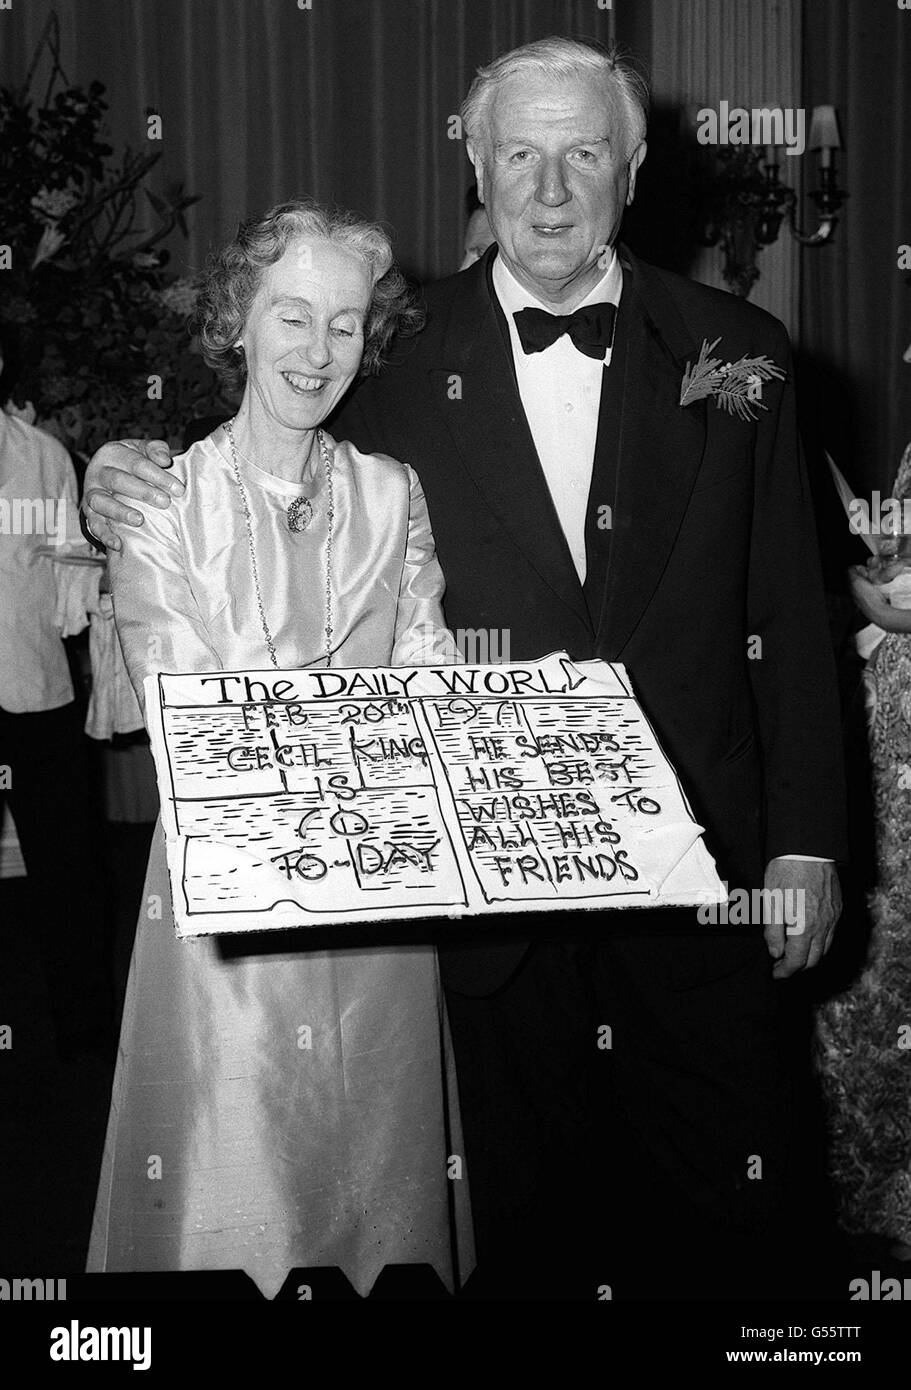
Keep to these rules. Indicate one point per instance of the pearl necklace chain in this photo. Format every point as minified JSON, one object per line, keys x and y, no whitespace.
{"x":248,"y":518}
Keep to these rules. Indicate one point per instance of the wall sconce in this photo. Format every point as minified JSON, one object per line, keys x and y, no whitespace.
{"x":744,"y":201}
{"x":828,"y":197}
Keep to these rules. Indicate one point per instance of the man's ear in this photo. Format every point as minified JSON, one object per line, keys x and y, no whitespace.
{"x":636,"y":159}
{"x":478,"y":163}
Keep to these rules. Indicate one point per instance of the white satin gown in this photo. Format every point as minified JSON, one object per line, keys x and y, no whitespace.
{"x":230,"y":1145}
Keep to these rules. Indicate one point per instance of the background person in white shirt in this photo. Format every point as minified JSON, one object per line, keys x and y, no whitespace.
{"x":44,"y":776}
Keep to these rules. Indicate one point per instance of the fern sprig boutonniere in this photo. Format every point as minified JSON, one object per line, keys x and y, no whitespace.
{"x":736,"y":386}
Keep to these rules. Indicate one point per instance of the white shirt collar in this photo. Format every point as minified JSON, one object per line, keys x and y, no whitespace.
{"x":513,"y":296}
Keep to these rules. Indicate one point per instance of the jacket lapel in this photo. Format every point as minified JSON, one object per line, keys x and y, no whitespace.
{"x":473,"y":387}
{"x":659,"y":448}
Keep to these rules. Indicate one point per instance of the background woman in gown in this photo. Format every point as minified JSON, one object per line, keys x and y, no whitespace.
{"x":291,"y":1107}
{"x":864,"y":1033}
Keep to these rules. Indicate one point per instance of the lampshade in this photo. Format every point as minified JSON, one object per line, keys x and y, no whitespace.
{"x":824,"y":132}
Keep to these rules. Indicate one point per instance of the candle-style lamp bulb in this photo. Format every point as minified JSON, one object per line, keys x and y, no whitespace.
{"x":824,"y":134}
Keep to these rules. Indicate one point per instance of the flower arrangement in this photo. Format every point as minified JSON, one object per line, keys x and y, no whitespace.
{"x":100,"y":332}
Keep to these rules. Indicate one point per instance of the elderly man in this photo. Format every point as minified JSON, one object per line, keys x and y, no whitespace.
{"x":580,"y":501}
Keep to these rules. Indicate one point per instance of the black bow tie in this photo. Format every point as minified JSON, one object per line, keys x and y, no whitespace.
{"x":590,"y":328}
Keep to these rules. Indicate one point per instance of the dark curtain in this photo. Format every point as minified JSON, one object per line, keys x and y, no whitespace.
{"x":350,"y":100}
{"x":855,"y":301}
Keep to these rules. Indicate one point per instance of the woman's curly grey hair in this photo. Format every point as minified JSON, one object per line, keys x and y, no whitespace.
{"x":234,"y":274}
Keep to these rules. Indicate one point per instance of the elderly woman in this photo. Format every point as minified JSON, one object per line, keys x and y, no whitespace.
{"x":229,"y":1144}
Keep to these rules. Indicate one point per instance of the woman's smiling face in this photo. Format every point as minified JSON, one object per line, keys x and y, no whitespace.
{"x":304,"y":335}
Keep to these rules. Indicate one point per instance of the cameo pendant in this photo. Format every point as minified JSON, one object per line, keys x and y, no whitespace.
{"x":299,"y":514}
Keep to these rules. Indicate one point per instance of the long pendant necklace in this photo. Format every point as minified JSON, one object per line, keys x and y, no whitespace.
{"x":248,"y":518}
{"x":299,"y":511}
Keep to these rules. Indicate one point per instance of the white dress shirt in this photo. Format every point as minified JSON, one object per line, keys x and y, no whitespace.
{"x":560,"y":389}
{"x":34,"y":468}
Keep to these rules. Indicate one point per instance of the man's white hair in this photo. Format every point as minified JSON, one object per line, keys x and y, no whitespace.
{"x":558,"y":57}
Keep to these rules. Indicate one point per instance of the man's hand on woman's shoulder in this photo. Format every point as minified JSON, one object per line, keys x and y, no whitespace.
{"x":122,"y":473}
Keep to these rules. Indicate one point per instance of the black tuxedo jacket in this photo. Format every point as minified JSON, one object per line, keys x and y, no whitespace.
{"x":706,"y":583}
